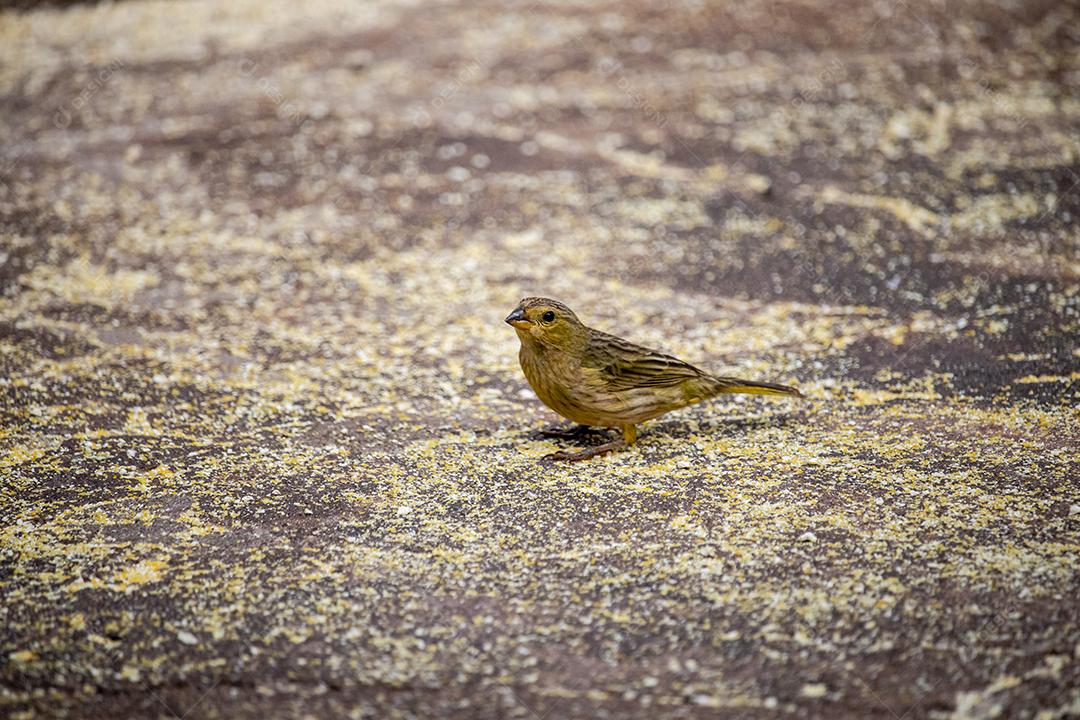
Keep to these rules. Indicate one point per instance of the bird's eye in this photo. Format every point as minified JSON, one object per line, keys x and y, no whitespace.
{"x":549,"y":316}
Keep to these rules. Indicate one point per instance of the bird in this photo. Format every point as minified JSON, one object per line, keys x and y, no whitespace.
{"x":600,"y":380}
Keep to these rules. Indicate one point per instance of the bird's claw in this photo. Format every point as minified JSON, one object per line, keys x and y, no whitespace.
{"x":585,"y":454}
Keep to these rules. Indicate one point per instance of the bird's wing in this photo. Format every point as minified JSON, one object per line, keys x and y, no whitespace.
{"x":625,"y":366}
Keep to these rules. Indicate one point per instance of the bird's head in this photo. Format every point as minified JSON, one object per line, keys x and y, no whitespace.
{"x":548,"y":322}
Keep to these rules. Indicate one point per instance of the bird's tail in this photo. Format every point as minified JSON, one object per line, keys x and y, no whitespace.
{"x":735,"y":385}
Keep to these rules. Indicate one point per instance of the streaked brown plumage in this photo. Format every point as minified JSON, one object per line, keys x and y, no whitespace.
{"x":594,"y":378}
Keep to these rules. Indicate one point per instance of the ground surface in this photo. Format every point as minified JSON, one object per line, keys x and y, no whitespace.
{"x":266,"y":449}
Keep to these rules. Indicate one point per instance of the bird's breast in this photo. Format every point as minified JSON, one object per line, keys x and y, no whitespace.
{"x":559,"y":381}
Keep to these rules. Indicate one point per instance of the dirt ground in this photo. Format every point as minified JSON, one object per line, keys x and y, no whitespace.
{"x":266,"y":450}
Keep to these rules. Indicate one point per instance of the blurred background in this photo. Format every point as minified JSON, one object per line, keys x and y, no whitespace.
{"x":265,"y":431}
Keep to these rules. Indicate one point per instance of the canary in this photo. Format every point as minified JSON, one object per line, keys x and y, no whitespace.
{"x":596,"y":379}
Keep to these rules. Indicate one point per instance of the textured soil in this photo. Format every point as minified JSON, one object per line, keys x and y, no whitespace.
{"x":265,"y":449}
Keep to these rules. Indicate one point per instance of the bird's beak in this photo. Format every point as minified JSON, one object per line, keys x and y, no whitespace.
{"x":517,"y":319}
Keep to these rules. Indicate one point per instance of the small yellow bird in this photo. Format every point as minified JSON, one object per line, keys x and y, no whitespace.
{"x":593,"y":378}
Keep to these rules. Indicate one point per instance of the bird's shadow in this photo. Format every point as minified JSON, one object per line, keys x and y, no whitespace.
{"x":576,"y":433}
{"x":673,"y":427}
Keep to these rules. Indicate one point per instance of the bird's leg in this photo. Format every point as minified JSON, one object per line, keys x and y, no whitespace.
{"x":629,"y":438}
{"x":567,"y":433}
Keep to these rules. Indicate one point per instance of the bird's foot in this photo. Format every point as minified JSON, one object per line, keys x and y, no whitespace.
{"x":564,"y":456}
{"x":567,"y":433}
